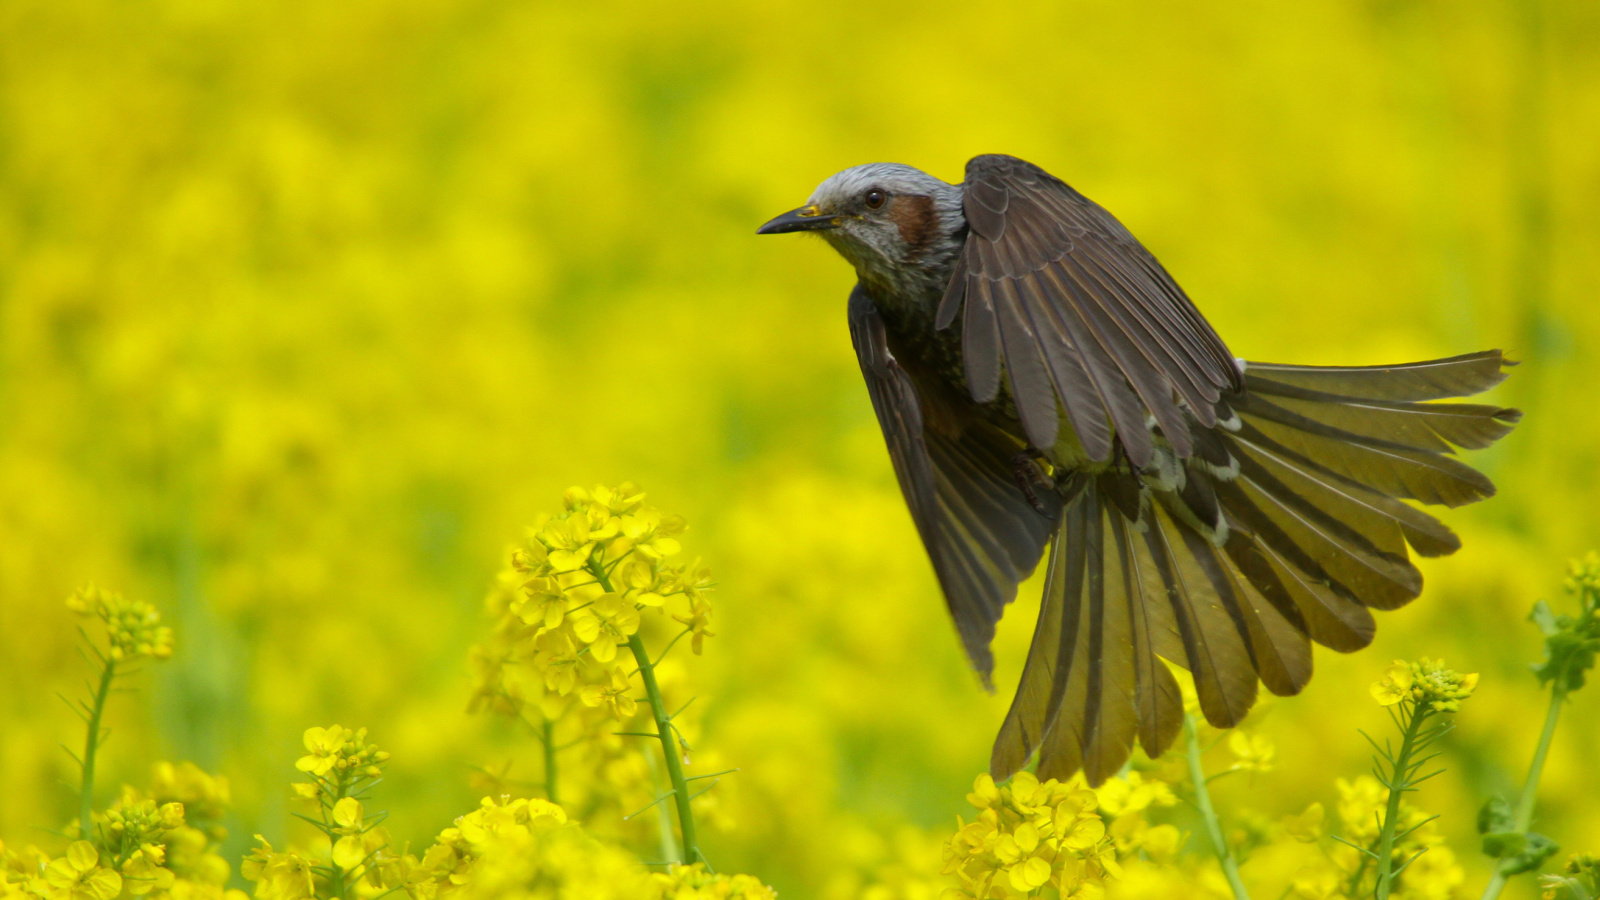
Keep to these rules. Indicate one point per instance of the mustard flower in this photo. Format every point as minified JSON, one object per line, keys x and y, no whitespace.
{"x":1578,"y":880}
{"x":79,"y":876}
{"x":698,"y":622}
{"x":145,"y":871}
{"x":1425,"y":681}
{"x":339,"y":750}
{"x":606,"y":623}
{"x":202,"y":795}
{"x":543,"y":603}
{"x":695,"y":883}
{"x":1133,"y":793}
{"x":278,"y":876}
{"x":1306,"y":827}
{"x":1252,"y":752}
{"x":133,"y":628}
{"x":1029,"y":834}
{"x":349,"y":821}
{"x":615,"y":697}
{"x":557,"y":658}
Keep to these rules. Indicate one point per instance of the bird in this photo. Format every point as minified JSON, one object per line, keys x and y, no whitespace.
{"x":1048,"y":392}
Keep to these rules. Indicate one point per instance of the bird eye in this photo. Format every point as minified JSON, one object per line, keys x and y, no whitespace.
{"x":875,"y":199}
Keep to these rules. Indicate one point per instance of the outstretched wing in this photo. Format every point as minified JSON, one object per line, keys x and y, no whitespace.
{"x":983,"y":536}
{"x":1062,"y":300}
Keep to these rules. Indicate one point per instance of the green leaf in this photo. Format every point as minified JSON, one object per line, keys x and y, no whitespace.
{"x":1545,"y":618}
{"x":1495,"y":816}
{"x":1535,"y":850}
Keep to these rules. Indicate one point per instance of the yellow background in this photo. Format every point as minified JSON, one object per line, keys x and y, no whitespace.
{"x":307,"y":307}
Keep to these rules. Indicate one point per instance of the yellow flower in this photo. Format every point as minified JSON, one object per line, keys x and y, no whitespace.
{"x":322,"y":746}
{"x":1307,"y":826}
{"x":699,"y":622}
{"x":1029,"y":875}
{"x":1426,"y":682}
{"x":1122,"y":795}
{"x":78,"y":876}
{"x":615,"y":697}
{"x":349,"y":819}
{"x":144,"y":873}
{"x":278,"y":876}
{"x":984,"y":793}
{"x":558,"y":658}
{"x":133,"y":629}
{"x":1395,"y":684}
{"x":1252,"y":752}
{"x":543,"y":603}
{"x":568,"y":541}
{"x":606,"y":623}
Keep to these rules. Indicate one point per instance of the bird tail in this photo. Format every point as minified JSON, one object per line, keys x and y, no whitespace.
{"x":1286,"y":526}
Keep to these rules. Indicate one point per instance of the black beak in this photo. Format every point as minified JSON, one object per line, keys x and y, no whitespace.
{"x":806,"y":218}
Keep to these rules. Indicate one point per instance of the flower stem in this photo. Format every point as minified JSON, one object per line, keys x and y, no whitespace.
{"x":1399,"y":782}
{"x":550,"y":761}
{"x":1202,"y":798}
{"x":1524,"y":813}
{"x":90,"y":746}
{"x":680,"y":787}
{"x":658,"y":711}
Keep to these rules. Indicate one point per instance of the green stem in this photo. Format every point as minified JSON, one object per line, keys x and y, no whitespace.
{"x":1399,"y":780}
{"x":91,"y":745}
{"x":1523,"y":818}
{"x":680,"y":787}
{"x":550,"y":761}
{"x":658,"y":711}
{"x":1202,"y":798}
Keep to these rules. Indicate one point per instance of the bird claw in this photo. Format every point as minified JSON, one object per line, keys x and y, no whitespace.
{"x":1026,"y":471}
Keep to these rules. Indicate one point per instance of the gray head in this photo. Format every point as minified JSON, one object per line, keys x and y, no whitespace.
{"x":900,"y":227}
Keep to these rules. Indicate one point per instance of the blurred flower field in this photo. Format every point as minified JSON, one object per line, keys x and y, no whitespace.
{"x":307,"y":310}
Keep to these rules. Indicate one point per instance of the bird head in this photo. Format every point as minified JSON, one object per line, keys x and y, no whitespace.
{"x":899,"y":226}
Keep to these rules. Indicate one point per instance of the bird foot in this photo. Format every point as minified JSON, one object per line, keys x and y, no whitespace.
{"x":1025,"y":468}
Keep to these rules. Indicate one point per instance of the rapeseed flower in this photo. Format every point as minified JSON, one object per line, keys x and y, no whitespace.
{"x":79,"y":876}
{"x":614,"y":697}
{"x":1426,"y":682}
{"x":133,"y":628}
{"x":1028,"y":834}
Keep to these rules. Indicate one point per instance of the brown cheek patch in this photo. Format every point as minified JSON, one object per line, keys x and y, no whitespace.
{"x":917,"y":221}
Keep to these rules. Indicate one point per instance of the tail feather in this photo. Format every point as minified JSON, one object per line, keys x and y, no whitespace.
{"x":1396,"y":470}
{"x":1435,"y":379}
{"x":1386,"y":580}
{"x":1214,"y":649}
{"x":1388,"y":523}
{"x":1436,"y":427}
{"x":1286,"y":525}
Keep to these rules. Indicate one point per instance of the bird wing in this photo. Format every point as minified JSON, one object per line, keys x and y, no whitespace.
{"x":982,"y":534}
{"x":1063,"y":300}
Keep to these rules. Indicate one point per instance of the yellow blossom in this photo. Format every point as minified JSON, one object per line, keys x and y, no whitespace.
{"x":615,"y":697}
{"x":133,"y":628}
{"x":78,"y":876}
{"x":1252,"y":752}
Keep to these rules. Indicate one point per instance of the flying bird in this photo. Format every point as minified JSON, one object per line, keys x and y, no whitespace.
{"x":1045,"y":387}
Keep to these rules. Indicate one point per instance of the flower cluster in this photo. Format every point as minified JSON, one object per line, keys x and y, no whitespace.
{"x":1029,"y":834}
{"x":1125,"y":800}
{"x":695,"y":883}
{"x":338,"y":754}
{"x":342,"y":766}
{"x":587,"y":591}
{"x":1579,"y":880}
{"x":1342,"y":870}
{"x":133,"y":629}
{"x":1426,"y":682}
{"x":573,"y":593}
{"x":142,"y":846}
